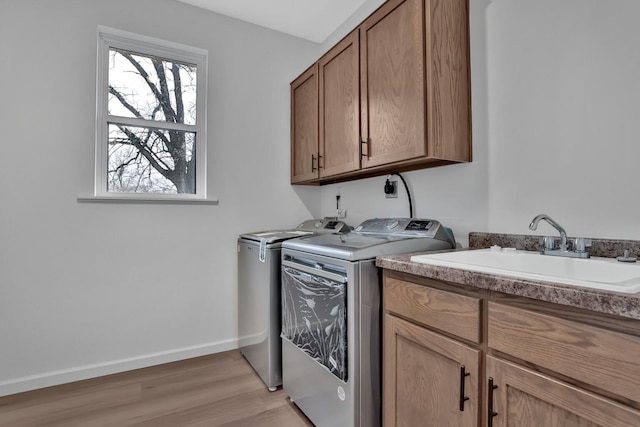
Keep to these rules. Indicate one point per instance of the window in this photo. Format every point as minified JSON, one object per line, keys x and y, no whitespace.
{"x":151,"y":118}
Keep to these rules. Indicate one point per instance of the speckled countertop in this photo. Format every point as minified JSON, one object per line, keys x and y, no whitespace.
{"x":625,"y":305}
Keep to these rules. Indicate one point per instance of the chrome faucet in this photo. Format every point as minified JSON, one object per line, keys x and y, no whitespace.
{"x":579,"y":245}
{"x":563,"y":234}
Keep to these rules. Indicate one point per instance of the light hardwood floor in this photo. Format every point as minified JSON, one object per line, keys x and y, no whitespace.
{"x":216,"y":390}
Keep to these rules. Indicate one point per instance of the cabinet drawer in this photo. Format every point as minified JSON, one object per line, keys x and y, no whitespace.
{"x":605,"y":359}
{"x":447,"y":311}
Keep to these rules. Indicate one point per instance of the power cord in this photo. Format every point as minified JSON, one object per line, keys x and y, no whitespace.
{"x":388,"y":189}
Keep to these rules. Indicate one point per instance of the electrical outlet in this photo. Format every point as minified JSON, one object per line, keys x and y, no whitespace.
{"x":342,"y":213}
{"x":394,"y":193}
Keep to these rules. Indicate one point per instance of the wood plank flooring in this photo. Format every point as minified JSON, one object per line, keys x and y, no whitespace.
{"x":217,"y":390}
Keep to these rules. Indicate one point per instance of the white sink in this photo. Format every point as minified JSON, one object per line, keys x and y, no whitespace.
{"x":598,"y":273}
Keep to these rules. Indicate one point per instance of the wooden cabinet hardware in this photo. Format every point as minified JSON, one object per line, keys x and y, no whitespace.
{"x":463,"y":398}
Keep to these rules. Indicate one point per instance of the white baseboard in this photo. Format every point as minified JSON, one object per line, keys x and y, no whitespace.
{"x":47,"y":379}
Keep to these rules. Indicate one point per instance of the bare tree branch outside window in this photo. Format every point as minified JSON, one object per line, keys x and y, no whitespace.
{"x":157,"y":158}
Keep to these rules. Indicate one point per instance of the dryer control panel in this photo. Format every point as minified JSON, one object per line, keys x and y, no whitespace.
{"x":406,"y":228}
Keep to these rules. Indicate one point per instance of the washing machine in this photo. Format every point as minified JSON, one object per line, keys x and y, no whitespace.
{"x":331,"y":316}
{"x":259,"y":294}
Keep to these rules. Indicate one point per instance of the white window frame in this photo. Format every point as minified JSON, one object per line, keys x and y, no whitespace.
{"x":113,"y":38}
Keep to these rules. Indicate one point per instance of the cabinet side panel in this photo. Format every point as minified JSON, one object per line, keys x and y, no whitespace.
{"x":448,"y":79}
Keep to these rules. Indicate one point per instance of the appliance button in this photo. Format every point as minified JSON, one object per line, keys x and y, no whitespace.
{"x":393,"y":224}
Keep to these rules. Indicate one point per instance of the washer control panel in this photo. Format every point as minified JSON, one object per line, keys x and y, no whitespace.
{"x":419,"y":224}
{"x":407,"y":227}
{"x":328,"y":225}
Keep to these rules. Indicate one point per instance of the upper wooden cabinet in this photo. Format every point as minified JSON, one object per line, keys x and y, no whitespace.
{"x":304,"y":126}
{"x":338,"y":72}
{"x":392,"y":84}
{"x":394,"y":95}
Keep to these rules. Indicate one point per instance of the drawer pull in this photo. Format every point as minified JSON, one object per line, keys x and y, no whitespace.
{"x":463,"y":398}
{"x":491,"y":413}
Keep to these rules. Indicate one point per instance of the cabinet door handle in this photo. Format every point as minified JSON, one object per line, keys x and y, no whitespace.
{"x":319,"y":164}
{"x":463,"y":398}
{"x":364,"y":147}
{"x":491,"y":413}
{"x":313,"y":163}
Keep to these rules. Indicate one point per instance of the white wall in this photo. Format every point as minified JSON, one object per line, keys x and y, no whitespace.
{"x":564,"y":91}
{"x":367,"y":8}
{"x":89,"y":288}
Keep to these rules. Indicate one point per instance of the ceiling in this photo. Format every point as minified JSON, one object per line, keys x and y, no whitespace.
{"x":313,"y":20}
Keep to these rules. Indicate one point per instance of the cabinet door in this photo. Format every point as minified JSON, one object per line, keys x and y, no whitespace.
{"x":339,"y":118}
{"x":426,"y":377}
{"x":304,"y":126}
{"x":525,"y":398}
{"x":393,"y":83}
{"x":608,"y":359}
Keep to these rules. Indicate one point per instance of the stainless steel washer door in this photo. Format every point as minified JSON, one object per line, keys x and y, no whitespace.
{"x":314,"y":313}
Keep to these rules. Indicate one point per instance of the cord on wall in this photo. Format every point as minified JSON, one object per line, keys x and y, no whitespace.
{"x":406,"y":187}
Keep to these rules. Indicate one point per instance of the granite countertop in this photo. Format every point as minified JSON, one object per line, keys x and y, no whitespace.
{"x":615,"y":303}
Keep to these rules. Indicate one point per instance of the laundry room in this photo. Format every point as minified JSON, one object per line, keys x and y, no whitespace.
{"x":137,"y":228}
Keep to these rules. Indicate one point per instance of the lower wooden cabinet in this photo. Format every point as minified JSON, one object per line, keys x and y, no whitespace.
{"x":429,"y":379}
{"x":457,"y":356}
{"x":518,"y":396}
{"x":431,"y":356}
{"x":600,"y":357}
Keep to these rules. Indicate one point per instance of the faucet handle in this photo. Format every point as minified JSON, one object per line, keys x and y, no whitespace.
{"x":549,"y":243}
{"x":580,"y":244}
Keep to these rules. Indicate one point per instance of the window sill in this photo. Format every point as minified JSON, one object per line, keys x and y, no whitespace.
{"x":145,"y":199}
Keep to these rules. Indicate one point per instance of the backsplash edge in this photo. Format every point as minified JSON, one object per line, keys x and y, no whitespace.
{"x":607,"y":248}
